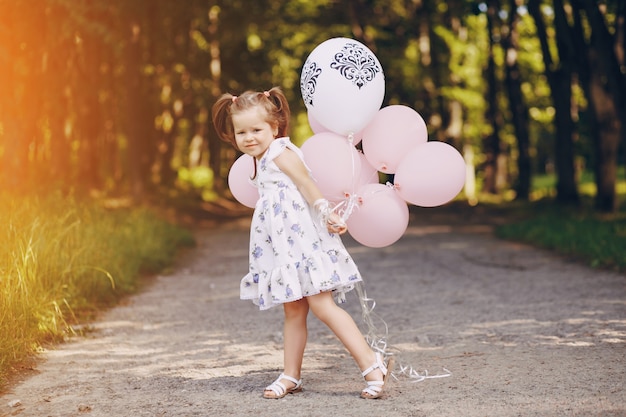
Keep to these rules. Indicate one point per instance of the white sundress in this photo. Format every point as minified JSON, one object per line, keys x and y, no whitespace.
{"x":291,"y":255}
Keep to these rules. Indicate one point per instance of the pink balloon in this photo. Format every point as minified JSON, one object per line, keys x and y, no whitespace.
{"x":239,"y":181}
{"x":431,"y":174}
{"x":317,"y":127}
{"x":357,"y":137}
{"x":335,"y":164}
{"x":391,"y":134}
{"x":369,"y":175}
{"x":380,"y":218}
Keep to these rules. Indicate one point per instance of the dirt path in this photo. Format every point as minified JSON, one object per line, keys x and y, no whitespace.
{"x":523,"y":332}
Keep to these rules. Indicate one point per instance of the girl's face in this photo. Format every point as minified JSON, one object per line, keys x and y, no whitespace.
{"x":253,"y":133}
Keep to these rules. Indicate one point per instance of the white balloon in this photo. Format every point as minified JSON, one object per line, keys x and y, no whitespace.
{"x":342,"y":85}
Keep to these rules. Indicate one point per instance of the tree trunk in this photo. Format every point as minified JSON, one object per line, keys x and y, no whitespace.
{"x":89,"y":124}
{"x":491,"y":144}
{"x":57,"y":110}
{"x":11,"y":159}
{"x":620,"y":52}
{"x":136,"y":159}
{"x":214,"y":143}
{"x":560,"y":81}
{"x":166,"y":173}
{"x":606,"y":145}
{"x":604,"y":87}
{"x":519,"y":111}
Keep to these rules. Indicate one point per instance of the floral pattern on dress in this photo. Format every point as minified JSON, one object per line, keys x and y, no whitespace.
{"x":291,"y":255}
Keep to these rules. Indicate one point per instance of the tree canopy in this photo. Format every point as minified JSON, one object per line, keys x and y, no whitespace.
{"x":114,"y":96}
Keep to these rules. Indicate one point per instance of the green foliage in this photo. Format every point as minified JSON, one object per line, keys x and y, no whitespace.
{"x":60,"y":259}
{"x":544,"y":185}
{"x":596,"y":240}
{"x":115,"y":95}
{"x":197,"y":177}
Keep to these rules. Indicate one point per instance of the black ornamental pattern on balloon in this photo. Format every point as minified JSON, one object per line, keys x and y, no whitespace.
{"x":354,"y":62}
{"x":308,"y":83}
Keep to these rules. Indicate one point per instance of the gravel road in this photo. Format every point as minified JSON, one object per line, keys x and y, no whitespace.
{"x":521,"y":331}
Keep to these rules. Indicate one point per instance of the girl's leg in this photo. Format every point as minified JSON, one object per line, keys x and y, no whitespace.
{"x":295,"y":337}
{"x":341,"y":323}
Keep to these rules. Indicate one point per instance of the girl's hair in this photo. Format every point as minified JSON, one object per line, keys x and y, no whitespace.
{"x":273,"y":102}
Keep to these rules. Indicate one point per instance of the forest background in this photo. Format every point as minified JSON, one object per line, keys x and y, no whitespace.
{"x":104,"y":111}
{"x":112,"y":98}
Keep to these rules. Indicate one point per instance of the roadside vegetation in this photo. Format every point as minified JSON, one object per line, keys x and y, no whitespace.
{"x":61,"y":261}
{"x":582,"y":235}
{"x":579,"y":232}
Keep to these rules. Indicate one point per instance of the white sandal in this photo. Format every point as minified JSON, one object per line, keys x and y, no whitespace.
{"x":374,"y":389}
{"x":280,"y":390}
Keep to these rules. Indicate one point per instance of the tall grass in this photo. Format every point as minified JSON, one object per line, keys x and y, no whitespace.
{"x":61,"y":259}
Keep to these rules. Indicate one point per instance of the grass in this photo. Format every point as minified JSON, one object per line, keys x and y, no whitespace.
{"x":598,"y":240}
{"x":544,"y":185}
{"x":61,"y":260}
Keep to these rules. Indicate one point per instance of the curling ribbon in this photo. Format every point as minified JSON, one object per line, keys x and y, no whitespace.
{"x":347,"y":206}
{"x":379,"y":343}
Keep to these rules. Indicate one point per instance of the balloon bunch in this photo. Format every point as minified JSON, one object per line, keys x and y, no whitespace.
{"x":342,"y":85}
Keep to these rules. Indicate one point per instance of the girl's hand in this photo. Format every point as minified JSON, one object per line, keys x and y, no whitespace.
{"x":335,"y":224}
{"x":327,"y":217}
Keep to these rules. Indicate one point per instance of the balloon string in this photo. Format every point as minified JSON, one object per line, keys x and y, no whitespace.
{"x":352,"y":197}
{"x":349,"y":203}
{"x":379,"y":342}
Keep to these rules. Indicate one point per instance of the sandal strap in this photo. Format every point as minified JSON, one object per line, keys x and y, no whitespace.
{"x":379,"y":364}
{"x":370,"y":369}
{"x":279,"y":388}
{"x":290,"y":379}
{"x":374,"y":388}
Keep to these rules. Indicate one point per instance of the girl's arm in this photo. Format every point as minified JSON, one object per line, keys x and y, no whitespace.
{"x":292,"y":165}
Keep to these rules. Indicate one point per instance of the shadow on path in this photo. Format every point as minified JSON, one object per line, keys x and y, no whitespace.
{"x":523,"y":332}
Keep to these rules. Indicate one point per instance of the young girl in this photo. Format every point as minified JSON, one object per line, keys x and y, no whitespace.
{"x":297,"y":259}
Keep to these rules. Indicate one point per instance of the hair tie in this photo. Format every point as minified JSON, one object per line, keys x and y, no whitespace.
{"x":266,"y":93}
{"x":234,"y":98}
